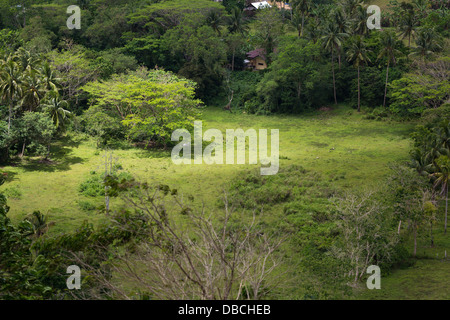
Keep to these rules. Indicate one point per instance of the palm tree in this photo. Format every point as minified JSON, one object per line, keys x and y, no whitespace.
{"x":39,"y":223}
{"x":301,"y":6}
{"x":340,"y":19}
{"x":296,"y":21}
{"x":313,"y":30}
{"x":55,"y":108}
{"x":357,"y":53}
{"x":389,"y":43}
{"x":332,"y":41}
{"x":237,"y":21}
{"x":51,"y":82}
{"x":33,"y":90}
{"x":10,"y":84}
{"x":408,"y":24}
{"x":426,"y":43}
{"x":360,"y":20}
{"x":442,"y":181}
{"x":351,"y":6}
{"x":27,"y":60}
{"x":214,"y":19}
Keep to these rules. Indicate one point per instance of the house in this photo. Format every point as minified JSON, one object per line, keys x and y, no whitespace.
{"x":256,"y":60}
{"x":261,"y":5}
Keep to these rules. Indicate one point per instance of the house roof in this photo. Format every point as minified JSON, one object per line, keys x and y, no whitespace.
{"x":260,"y":5}
{"x":257,"y":53}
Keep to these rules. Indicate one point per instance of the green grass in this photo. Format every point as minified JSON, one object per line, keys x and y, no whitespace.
{"x":341,"y":145}
{"x":427,"y":279}
{"x":346,"y":150}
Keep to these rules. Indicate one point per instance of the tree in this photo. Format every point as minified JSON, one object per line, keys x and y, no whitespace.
{"x":332,"y":41}
{"x":426,"y":43}
{"x":408,"y":24}
{"x":35,"y":131}
{"x":389,"y":50}
{"x":215,"y":20}
{"x":55,"y":107}
{"x":301,"y":6}
{"x":357,"y":53}
{"x":11,"y":84}
{"x":269,"y":27}
{"x":237,"y":22}
{"x":199,"y":259}
{"x":442,"y":181}
{"x":366,"y":235}
{"x":409,"y":193}
{"x":151,"y":105}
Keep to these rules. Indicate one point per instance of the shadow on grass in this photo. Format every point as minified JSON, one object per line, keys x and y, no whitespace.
{"x":153,"y":153}
{"x":60,"y":158}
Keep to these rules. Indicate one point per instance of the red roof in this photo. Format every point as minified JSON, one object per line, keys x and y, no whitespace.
{"x":257,"y":53}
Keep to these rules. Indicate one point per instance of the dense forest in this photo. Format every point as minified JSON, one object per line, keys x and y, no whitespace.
{"x":86,"y":122}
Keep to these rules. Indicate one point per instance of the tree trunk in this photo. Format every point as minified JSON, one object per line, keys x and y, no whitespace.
{"x":399,"y":225}
{"x":359,"y":93}
{"x":334,"y":81}
{"x":385,"y":86}
{"x":415,"y":239}
{"x":431,"y":234}
{"x":9,"y":117}
{"x":232,"y":61}
{"x":339,"y":59}
{"x":23,"y":149}
{"x":303,"y":21}
{"x":446,"y":208}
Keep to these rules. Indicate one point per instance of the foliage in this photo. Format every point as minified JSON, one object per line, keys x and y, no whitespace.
{"x":150,"y":105}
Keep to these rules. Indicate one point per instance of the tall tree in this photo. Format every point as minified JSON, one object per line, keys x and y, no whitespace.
{"x":408,"y":24}
{"x":357,"y":53}
{"x":389,"y":43}
{"x":10,"y":85}
{"x":442,"y":176}
{"x":332,"y":41}
{"x":302,"y":7}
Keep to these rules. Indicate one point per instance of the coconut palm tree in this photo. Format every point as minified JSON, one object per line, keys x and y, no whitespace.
{"x":237,"y":21}
{"x":302,"y":7}
{"x":332,"y":42}
{"x":10,"y":84}
{"x":33,"y":90}
{"x":49,"y":79}
{"x":214,"y":19}
{"x":408,"y":24}
{"x":389,"y":43}
{"x":442,"y":176}
{"x":313,"y":31}
{"x":360,"y":20}
{"x":357,"y":53}
{"x":426,"y":42}
{"x":55,"y":108}
{"x":339,"y":18}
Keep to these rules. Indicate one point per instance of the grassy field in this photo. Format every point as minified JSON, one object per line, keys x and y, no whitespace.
{"x":340,"y":144}
{"x":348,"y":151}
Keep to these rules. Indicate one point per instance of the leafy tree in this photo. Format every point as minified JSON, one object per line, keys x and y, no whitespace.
{"x":35,"y":131}
{"x":269,"y":28}
{"x":151,"y":105}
